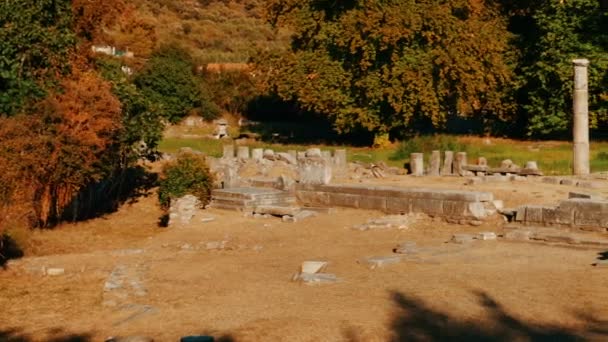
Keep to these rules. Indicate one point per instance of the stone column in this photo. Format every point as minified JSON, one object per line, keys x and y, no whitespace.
{"x":228,"y":151}
{"x":459,"y":162}
{"x":435,"y":163}
{"x":447,"y":163}
{"x":339,"y":159}
{"x":242,"y":152}
{"x":257,"y":153}
{"x":580,"y":133}
{"x":417,"y":164}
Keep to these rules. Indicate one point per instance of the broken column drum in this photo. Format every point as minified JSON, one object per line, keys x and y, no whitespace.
{"x":447,"y":163}
{"x":242,"y":152}
{"x":417,"y":164}
{"x":459,"y":162}
{"x":228,"y":151}
{"x":580,"y":127}
{"x":257,"y":153}
{"x":435,"y":163}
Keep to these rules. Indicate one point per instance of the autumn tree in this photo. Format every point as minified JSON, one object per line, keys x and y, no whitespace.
{"x":381,"y":65}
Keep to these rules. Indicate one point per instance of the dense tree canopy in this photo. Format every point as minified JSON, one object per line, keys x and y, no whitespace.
{"x":168,"y":79}
{"x":379,"y":64}
{"x":35,"y":41}
{"x":551,"y":33}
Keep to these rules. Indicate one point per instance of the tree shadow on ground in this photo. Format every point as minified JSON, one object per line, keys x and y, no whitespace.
{"x":9,"y":249}
{"x":108,"y":195}
{"x":416,"y":321}
{"x":15,"y":335}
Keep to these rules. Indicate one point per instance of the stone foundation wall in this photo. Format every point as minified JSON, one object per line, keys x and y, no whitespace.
{"x":581,"y":213}
{"x":435,"y":202}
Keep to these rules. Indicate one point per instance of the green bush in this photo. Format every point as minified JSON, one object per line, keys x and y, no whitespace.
{"x":188,"y":174}
{"x":426,"y":144}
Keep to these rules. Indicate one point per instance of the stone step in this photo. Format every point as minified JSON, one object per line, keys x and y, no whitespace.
{"x":249,"y":193}
{"x":230,"y":207}
{"x":254,"y":203}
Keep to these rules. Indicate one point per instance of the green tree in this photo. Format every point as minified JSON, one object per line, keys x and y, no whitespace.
{"x":551,"y":33}
{"x":35,"y":40}
{"x":381,"y":64}
{"x":168,"y":79}
{"x":142,"y":125}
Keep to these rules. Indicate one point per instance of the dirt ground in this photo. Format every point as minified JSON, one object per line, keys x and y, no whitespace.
{"x":488,"y":290}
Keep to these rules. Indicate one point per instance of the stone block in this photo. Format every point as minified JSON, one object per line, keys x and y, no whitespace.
{"x":555,"y":216}
{"x":462,"y":238}
{"x":590,"y":218}
{"x":312,"y":267}
{"x":518,"y":235}
{"x":568,"y":181}
{"x":408,"y":247}
{"x":286,"y":157}
{"x":398,"y":205}
{"x":372,"y":202}
{"x":313,"y":152}
{"x":486,"y":236}
{"x":315,"y":278}
{"x":550,"y":180}
{"x":477,"y":210}
{"x":313,"y":198}
{"x":573,"y":194}
{"x":381,"y":261}
{"x":344,"y":200}
{"x":534,"y":214}
{"x":269,"y":154}
{"x":54,"y":271}
{"x":455,"y":209}
{"x":276,"y":210}
{"x":589,"y":185}
{"x":520,"y":214}
{"x":427,"y":206}
{"x":314,"y":171}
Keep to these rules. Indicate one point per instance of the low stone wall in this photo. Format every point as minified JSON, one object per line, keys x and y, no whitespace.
{"x":452,"y":204}
{"x":581,"y":213}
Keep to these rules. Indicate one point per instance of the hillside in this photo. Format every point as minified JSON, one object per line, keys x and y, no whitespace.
{"x":215,"y":31}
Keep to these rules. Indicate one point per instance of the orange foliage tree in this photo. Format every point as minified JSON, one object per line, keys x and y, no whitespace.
{"x":62,"y":148}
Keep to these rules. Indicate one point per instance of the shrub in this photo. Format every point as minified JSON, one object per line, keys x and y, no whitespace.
{"x":426,"y":144}
{"x":188,"y":174}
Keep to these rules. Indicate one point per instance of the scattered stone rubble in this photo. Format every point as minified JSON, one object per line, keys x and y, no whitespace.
{"x":310,"y":273}
{"x":390,"y":221}
{"x":122,"y":284}
{"x":554,"y":236}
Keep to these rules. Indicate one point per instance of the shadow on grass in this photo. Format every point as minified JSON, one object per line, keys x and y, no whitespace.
{"x":15,"y":335}
{"x":416,"y":321}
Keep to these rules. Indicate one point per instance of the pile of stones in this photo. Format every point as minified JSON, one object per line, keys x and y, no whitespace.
{"x":242,"y":167}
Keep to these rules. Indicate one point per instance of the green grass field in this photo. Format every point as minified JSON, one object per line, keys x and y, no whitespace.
{"x":553,"y":157}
